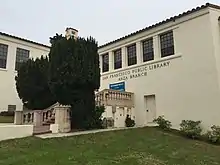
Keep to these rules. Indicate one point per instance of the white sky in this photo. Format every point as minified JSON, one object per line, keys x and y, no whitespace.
{"x":106,"y":20}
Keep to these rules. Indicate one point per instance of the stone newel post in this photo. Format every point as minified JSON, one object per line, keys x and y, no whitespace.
{"x":62,"y":118}
{"x":38,"y":117}
{"x":18,"y":118}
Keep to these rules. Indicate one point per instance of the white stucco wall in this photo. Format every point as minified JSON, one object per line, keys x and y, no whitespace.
{"x":9,"y":131}
{"x":8,"y":93}
{"x":186,"y":89}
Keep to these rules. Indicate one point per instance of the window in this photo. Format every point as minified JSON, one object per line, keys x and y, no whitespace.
{"x":117,"y":59}
{"x":11,"y":107}
{"x":3,"y":55}
{"x":105,"y":63}
{"x":167,"y":44}
{"x":22,"y":55}
{"x":148,"y":50}
{"x":132,"y":58}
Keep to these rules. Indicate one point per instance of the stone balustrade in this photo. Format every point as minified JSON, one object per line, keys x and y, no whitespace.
{"x":110,"y":97}
{"x":28,"y":117}
{"x":57,"y":115}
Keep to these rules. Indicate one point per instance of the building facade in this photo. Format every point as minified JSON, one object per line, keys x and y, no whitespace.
{"x":172,"y":67}
{"x":14,"y":51}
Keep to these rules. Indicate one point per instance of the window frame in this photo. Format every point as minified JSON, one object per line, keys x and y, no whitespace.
{"x":22,"y":55}
{"x":167,"y":46}
{"x":149,"y":48}
{"x":105,"y":62}
{"x":11,"y":108}
{"x":132,"y":54}
{"x":118,"y":59}
{"x":3,"y":55}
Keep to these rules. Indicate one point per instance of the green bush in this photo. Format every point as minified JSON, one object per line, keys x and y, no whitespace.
{"x":7,"y":113}
{"x":108,"y":122}
{"x":90,"y":120}
{"x":129,"y":122}
{"x":163,"y":123}
{"x":214,"y":135}
{"x":191,"y":129}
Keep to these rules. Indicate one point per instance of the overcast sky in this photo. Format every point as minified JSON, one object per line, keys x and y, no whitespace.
{"x":105,"y":20}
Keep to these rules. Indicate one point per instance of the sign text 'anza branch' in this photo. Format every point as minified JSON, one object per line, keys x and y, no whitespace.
{"x":137,"y":72}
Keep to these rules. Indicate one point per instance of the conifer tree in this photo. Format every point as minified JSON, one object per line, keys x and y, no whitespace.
{"x":32,"y":84}
{"x":74,"y":75}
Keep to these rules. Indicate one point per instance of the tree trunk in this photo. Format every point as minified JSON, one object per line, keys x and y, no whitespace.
{"x":81,"y":110}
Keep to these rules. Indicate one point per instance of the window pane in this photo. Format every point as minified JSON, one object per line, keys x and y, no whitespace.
{"x":105,"y":63}
{"x":11,"y":107}
{"x":131,"y":53}
{"x":148,"y":50}
{"x":167,"y":44}
{"x":117,"y":59}
{"x":3,"y":55}
{"x":22,"y":55}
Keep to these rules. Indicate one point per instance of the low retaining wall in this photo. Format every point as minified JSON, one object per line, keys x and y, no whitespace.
{"x":10,"y":131}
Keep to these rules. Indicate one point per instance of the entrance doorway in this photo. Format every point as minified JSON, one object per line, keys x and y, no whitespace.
{"x":150,"y":108}
{"x":120,"y":117}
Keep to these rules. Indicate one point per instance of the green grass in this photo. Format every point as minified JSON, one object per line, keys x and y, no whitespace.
{"x":145,"y":146}
{"x":6,"y":119}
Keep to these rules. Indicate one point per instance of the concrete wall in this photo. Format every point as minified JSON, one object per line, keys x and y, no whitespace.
{"x":187,"y":84}
{"x":10,"y":131}
{"x":8,"y":92}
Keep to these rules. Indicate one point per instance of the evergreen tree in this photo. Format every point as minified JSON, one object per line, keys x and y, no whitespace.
{"x":74,"y":75}
{"x":32,"y":84}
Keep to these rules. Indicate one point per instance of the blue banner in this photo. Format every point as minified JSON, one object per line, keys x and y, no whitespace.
{"x":118,"y":86}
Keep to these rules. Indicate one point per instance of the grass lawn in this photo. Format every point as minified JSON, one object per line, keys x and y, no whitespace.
{"x":144,"y":146}
{"x":6,"y":119}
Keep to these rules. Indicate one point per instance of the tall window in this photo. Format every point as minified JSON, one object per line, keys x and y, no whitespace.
{"x":11,"y":107}
{"x":22,"y":55}
{"x":3,"y":55}
{"x":132,"y":57}
{"x":117,"y":59}
{"x":148,"y":50}
{"x":105,"y":62}
{"x":167,"y":44}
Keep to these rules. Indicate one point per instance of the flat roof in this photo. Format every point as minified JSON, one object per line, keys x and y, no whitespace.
{"x":163,"y":22}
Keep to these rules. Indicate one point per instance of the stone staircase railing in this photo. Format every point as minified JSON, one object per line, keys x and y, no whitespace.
{"x":110,"y":97}
{"x":28,"y":117}
{"x":56,"y":117}
{"x":47,"y":115}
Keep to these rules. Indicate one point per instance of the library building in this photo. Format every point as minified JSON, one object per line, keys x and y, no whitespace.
{"x":169,"y":69}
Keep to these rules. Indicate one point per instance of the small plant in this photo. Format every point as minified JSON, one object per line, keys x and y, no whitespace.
{"x":108,"y":122}
{"x":129,"y":122}
{"x":191,"y":129}
{"x":163,"y":123}
{"x":214,"y":135}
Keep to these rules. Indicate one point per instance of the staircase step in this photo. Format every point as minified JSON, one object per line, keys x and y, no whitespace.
{"x":41,"y":129}
{"x":41,"y":133}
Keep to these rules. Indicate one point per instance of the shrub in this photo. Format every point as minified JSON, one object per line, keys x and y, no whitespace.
{"x":108,"y":122}
{"x":129,"y":122}
{"x":7,"y":113}
{"x":91,"y":119}
{"x":191,"y":129}
{"x":214,"y":135}
{"x":163,"y":123}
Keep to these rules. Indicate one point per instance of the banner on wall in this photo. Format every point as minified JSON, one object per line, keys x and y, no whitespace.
{"x":117,"y":86}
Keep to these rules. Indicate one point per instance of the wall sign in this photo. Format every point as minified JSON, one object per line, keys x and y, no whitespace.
{"x":136,"y":72}
{"x":117,"y":86}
